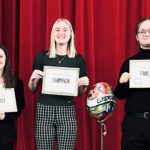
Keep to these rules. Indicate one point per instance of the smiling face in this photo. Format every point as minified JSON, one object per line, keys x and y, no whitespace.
{"x":143,"y":34}
{"x":2,"y":59}
{"x":62,"y":33}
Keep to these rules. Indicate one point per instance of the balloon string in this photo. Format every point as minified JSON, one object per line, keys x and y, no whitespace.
{"x":103,"y":133}
{"x":104,"y":128}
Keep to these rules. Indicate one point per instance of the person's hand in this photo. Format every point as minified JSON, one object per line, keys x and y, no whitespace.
{"x":124,"y":77}
{"x":83,"y":81}
{"x":34,"y":79}
{"x":36,"y":74}
{"x":2,"y":116}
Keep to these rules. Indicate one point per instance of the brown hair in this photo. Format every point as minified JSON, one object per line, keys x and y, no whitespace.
{"x":7,"y":73}
{"x":139,"y":24}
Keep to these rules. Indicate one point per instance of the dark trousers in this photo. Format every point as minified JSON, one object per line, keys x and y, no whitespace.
{"x":135,"y":133}
{"x":8,"y":146}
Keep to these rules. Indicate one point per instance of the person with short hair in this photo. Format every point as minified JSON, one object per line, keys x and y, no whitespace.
{"x":136,"y":124}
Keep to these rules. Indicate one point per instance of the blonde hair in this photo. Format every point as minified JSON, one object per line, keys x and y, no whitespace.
{"x":71,"y":51}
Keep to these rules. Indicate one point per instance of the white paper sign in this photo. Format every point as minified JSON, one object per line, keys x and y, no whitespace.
{"x":60,"y":81}
{"x":7,"y":100}
{"x":139,"y":74}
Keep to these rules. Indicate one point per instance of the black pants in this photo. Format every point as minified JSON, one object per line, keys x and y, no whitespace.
{"x":8,"y":146}
{"x":135,"y":133}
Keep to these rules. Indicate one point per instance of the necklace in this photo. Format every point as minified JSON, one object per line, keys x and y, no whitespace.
{"x":60,"y":60}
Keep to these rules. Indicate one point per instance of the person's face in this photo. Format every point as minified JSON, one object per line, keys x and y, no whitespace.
{"x":2,"y":59}
{"x":143,"y":35}
{"x":62,"y":33}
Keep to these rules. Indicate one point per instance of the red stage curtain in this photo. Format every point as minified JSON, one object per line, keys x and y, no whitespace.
{"x":104,"y":34}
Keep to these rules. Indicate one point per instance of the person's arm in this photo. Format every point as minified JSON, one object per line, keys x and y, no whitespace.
{"x":34,"y":79}
{"x":83,"y":82}
{"x":122,"y":88}
{"x":37,"y":73}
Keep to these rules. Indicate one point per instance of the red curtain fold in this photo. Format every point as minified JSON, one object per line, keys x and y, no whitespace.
{"x":104,"y":35}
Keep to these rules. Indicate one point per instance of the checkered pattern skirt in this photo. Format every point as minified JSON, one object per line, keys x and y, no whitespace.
{"x":55,"y":124}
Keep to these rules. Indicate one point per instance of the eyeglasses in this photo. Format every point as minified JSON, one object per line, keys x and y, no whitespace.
{"x":143,"y":32}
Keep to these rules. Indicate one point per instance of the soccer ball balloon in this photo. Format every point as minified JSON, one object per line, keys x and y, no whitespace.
{"x":101,"y":101}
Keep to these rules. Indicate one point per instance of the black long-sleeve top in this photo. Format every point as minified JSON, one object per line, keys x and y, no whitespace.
{"x":137,"y":99}
{"x":42,"y":60}
{"x":7,"y":125}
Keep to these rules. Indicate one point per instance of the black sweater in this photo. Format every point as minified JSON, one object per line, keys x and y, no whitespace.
{"x":138,"y":99}
{"x":7,"y":126}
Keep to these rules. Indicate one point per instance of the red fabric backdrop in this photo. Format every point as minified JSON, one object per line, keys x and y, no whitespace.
{"x":104,"y":34}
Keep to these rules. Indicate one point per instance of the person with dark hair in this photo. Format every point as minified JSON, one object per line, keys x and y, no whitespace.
{"x":55,"y":114}
{"x":7,"y":119}
{"x":136,"y":124}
